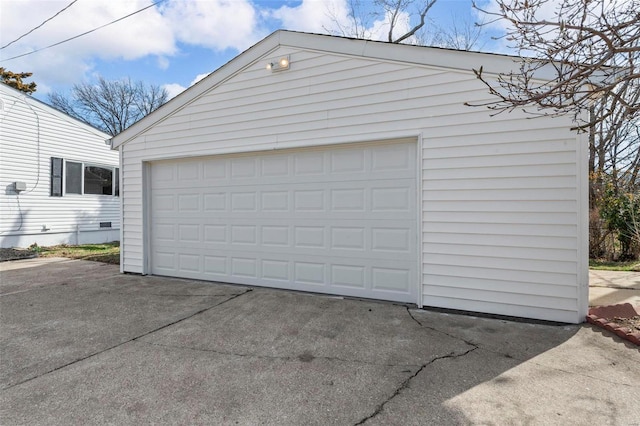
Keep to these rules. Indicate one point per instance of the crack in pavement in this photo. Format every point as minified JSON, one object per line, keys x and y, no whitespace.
{"x":305,"y":357}
{"x":520,"y":359}
{"x":405,"y":384}
{"x":168,"y":294}
{"x":614,"y":287}
{"x":440,"y":331}
{"x":60,"y":367}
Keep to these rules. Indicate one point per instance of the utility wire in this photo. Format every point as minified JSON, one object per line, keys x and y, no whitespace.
{"x":85,"y":33}
{"x":27,"y":33}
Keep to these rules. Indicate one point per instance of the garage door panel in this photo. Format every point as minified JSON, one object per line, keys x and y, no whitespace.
{"x":374,"y":242}
{"x":382,"y":280}
{"x":284,"y":217}
{"x":354,"y":256}
{"x":313,"y":162}
{"x":339,"y":220}
{"x":386,"y":178}
{"x":375,"y":198}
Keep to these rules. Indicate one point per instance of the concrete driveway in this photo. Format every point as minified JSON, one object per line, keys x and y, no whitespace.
{"x":82,"y":344}
{"x":614,"y":287}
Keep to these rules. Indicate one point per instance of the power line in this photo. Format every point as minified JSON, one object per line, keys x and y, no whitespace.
{"x":85,"y":33}
{"x":47,"y":20}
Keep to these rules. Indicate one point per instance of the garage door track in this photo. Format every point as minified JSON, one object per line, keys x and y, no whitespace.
{"x":81,"y":343}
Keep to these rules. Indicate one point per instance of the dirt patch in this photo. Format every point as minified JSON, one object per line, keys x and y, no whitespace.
{"x":632,"y":323}
{"x":15,"y":254}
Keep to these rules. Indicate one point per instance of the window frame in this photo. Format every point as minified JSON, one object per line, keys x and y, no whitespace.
{"x":115,"y":178}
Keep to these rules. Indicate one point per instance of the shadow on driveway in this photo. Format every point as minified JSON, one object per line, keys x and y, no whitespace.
{"x":81,"y":343}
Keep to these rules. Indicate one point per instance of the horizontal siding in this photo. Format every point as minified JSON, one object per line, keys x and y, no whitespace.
{"x":495,"y":285}
{"x":507,"y":253}
{"x":500,"y":218}
{"x":500,"y":195}
{"x":519,"y":229}
{"x":445,"y":236}
{"x":23,"y":159}
{"x":501,"y":273}
{"x":467,"y":302}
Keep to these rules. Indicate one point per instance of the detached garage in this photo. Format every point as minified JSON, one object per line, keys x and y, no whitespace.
{"x":353,"y":167}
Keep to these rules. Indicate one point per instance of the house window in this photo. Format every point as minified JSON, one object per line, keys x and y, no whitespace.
{"x":83,"y":179}
{"x":56,"y":177}
{"x":73,"y":182}
{"x":98,"y":180}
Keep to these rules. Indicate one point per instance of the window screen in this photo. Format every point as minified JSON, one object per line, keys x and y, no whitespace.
{"x":56,"y":177}
{"x":73,"y":178}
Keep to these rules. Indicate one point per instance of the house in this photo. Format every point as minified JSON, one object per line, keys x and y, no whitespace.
{"x":59,"y":180}
{"x":353,"y":167}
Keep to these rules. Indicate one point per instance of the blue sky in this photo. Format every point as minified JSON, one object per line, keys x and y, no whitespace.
{"x":175,"y":42}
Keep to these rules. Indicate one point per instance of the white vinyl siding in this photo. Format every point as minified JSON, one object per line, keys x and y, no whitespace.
{"x":23,"y":159}
{"x":500,"y":196}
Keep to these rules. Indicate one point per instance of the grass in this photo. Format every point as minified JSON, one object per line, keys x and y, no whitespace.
{"x":106,"y":253}
{"x":110,"y":253}
{"x":607,"y":265}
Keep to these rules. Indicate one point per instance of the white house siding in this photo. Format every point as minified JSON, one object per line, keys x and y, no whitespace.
{"x":500,"y":198}
{"x":68,"y":219}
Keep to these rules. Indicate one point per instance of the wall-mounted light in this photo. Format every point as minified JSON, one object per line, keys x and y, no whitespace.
{"x":280,"y":65}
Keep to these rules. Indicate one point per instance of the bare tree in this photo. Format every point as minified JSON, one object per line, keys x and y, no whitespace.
{"x":581,"y":60}
{"x":590,"y":47}
{"x":110,"y":106}
{"x":361,"y":18}
{"x":459,"y":33}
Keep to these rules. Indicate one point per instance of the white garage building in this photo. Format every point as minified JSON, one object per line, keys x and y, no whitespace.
{"x":353,"y":167}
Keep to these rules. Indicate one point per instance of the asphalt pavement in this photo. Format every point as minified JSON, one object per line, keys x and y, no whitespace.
{"x":81,"y":343}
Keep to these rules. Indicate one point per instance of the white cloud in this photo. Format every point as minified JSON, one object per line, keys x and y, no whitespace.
{"x":198,"y":78}
{"x":141,"y":35}
{"x":161,"y":33}
{"x":217,"y":24}
{"x":173,"y":89}
{"x":333,"y":17}
{"x":316,"y":16}
{"x":156,"y":31}
{"x":163,"y":62}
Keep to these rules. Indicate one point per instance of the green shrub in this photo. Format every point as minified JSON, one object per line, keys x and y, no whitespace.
{"x":621,"y":211}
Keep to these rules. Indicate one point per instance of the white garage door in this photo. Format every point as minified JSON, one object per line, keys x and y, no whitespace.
{"x":339,"y":220}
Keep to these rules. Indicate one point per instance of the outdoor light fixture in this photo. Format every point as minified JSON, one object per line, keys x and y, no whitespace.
{"x":280,"y":65}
